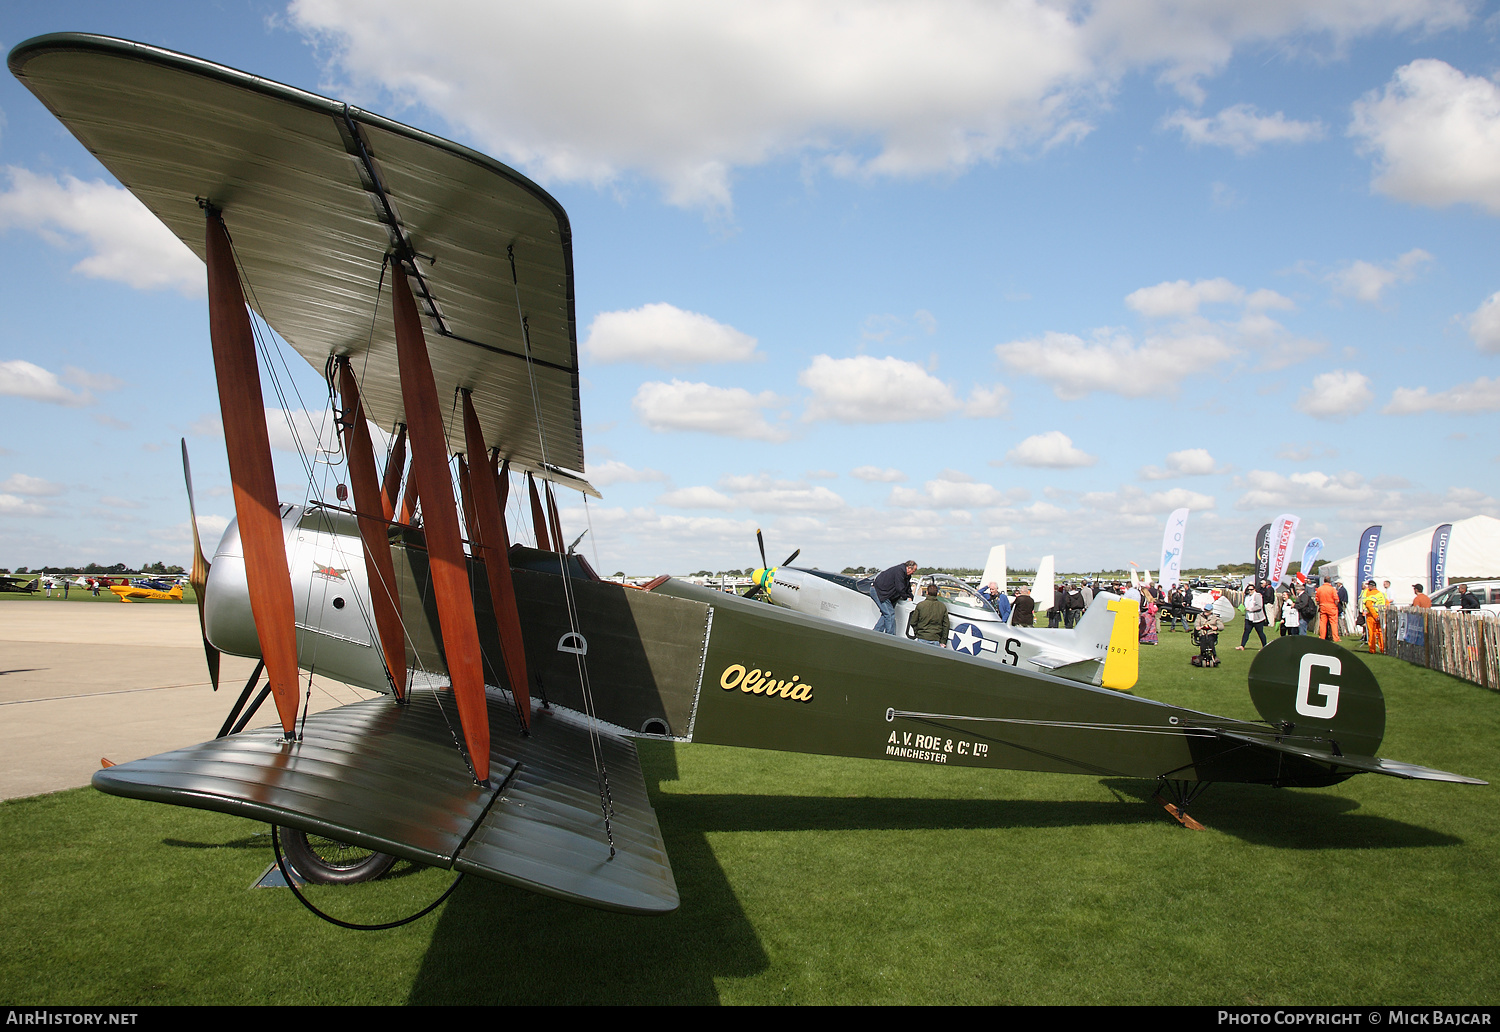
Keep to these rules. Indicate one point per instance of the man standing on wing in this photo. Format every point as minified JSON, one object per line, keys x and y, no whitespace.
{"x":892,"y":586}
{"x":930,"y":622}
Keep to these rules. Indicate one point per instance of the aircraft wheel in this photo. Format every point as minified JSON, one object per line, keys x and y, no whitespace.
{"x":326,"y":861}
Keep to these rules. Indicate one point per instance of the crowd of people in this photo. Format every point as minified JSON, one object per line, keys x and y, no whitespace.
{"x":1298,"y":608}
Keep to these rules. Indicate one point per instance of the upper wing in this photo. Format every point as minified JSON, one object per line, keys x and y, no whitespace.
{"x":316,"y":193}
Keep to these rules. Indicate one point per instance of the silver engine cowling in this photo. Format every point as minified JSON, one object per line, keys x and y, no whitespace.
{"x":330,"y":597}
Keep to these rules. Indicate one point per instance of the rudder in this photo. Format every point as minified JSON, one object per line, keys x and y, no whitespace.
{"x":1314,"y":687}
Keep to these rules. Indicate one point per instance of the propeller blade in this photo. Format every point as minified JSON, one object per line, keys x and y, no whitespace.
{"x":199,"y":577}
{"x":791,"y":557}
{"x":762,"y":543}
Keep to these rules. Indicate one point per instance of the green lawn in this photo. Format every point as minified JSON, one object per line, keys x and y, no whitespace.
{"x":815,"y":880}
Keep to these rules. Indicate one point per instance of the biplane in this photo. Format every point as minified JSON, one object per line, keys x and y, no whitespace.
{"x":434,"y":288}
{"x":19,"y":585}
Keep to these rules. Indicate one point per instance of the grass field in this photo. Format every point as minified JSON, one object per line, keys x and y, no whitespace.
{"x":814,"y":880}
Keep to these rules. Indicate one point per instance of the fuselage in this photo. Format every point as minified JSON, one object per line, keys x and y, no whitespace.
{"x":692,"y":664}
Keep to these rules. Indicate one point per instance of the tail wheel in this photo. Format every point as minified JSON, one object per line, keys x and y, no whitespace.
{"x":325,"y":861}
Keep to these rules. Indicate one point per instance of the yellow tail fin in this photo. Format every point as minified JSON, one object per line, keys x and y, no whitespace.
{"x":1122,"y":665}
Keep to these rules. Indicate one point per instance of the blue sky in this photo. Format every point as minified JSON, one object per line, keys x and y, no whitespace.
{"x":886,"y":280}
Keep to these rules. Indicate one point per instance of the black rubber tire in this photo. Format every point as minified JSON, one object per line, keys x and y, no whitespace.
{"x":326,"y":861}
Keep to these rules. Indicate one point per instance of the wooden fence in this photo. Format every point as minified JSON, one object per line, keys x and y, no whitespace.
{"x":1465,"y":645}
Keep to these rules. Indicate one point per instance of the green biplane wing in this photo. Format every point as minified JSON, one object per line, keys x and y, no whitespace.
{"x":389,"y":778}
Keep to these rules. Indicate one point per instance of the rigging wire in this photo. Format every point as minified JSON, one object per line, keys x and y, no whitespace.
{"x":269,"y":355}
{"x":606,"y":801}
{"x":261,"y":331}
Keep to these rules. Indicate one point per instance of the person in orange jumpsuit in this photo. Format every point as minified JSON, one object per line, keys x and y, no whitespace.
{"x":1373,"y":602}
{"x":1327,"y":597}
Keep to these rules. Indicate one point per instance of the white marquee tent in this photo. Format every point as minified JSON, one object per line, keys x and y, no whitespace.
{"x":1473,"y":551}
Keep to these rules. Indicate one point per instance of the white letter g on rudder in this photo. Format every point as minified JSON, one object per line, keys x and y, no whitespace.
{"x":1329,"y":690}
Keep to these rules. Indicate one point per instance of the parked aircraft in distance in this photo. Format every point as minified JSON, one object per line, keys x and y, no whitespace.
{"x":147,"y":588}
{"x":1102,"y":649}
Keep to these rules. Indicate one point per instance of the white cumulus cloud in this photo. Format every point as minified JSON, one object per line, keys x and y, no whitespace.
{"x":1483,"y":395}
{"x":614,"y":471}
{"x":1190,"y":462}
{"x":727,"y":411}
{"x":1243,"y":129}
{"x":876,"y":475}
{"x":1051,"y":450}
{"x":1268,"y":490}
{"x":1336,"y":395}
{"x":1435,"y":135}
{"x":1367,"y":281}
{"x":951,"y":490}
{"x":790,"y":496}
{"x":1484,"y":324}
{"x":663,"y":335}
{"x":696,"y":498}
{"x":1114,"y":364}
{"x":10,"y":505}
{"x":1179,"y":297}
{"x":22,"y":379}
{"x":865,"y":389}
{"x":124,"y":241}
{"x":1132,"y":501}
{"x":684,"y":92}
{"x":35,"y":487}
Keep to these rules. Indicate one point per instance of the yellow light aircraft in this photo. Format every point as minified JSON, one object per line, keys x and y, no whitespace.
{"x":141,"y":589}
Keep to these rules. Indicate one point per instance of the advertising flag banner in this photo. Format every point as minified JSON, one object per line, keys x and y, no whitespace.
{"x":1283,"y":536}
{"x":1170,"y":568}
{"x":1438,"y":559}
{"x":1310,"y":555}
{"x":1369,"y":541}
{"x":1263,"y":554}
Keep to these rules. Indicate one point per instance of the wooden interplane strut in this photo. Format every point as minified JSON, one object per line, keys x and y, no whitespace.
{"x":466,"y":496}
{"x":557,"y":534}
{"x":395,"y":464}
{"x":250,"y":471}
{"x":538,"y":517}
{"x":495,"y":549}
{"x":445,"y":553}
{"x":380,"y":570}
{"x":410,"y":496}
{"x":502,"y":478}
